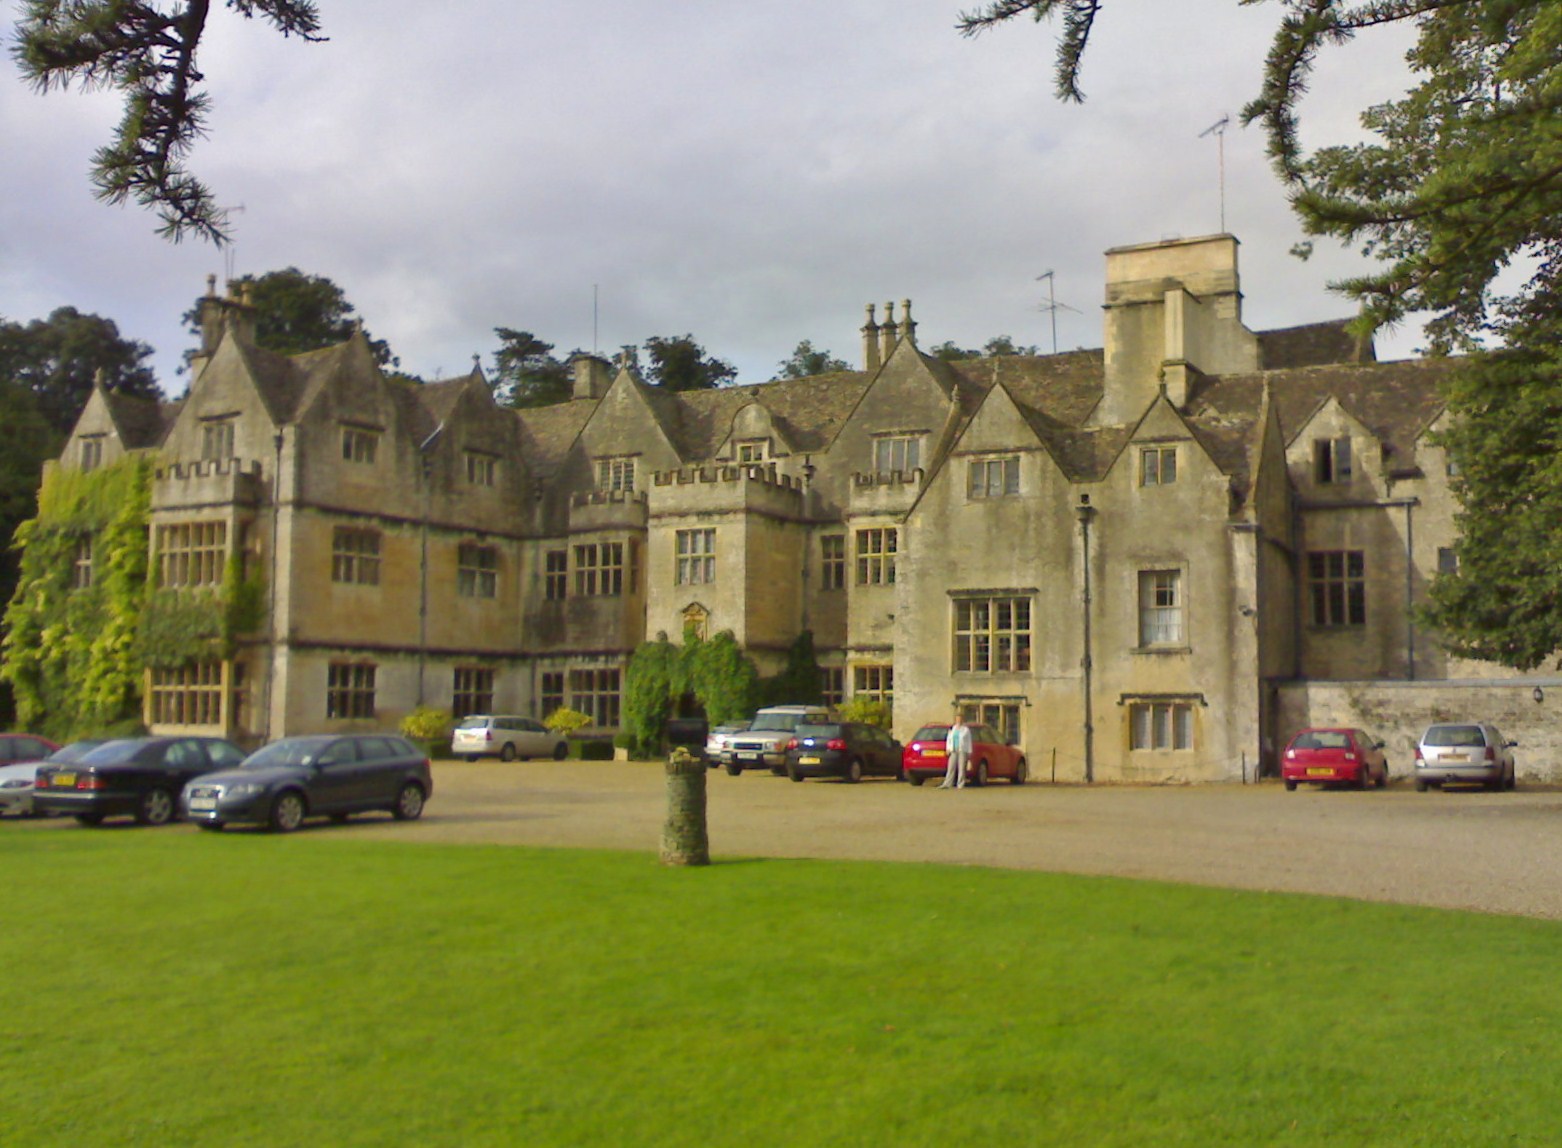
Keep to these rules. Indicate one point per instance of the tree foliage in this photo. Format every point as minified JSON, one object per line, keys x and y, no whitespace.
{"x":296,"y":312}
{"x":57,"y":358}
{"x":715,"y":671}
{"x":805,"y":362}
{"x":147,"y":52}
{"x":681,"y":364}
{"x":526,"y":373}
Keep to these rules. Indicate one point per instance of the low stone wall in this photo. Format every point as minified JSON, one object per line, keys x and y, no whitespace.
{"x":1398,"y":712}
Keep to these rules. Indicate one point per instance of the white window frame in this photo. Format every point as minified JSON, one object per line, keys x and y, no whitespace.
{"x":993,"y":477}
{"x":1161,"y":608}
{"x":1157,"y":465}
{"x":616,"y":473}
{"x":696,"y":556}
{"x":877,"y":550}
{"x":1155,"y":725}
{"x":897,"y":454}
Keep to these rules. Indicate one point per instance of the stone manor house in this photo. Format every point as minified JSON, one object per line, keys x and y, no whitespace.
{"x":1146,"y":562}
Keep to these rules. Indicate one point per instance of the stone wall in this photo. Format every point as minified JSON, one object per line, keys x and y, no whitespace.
{"x":1398,"y":712}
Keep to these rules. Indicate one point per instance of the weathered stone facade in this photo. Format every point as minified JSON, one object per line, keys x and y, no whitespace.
{"x":1141,"y":562}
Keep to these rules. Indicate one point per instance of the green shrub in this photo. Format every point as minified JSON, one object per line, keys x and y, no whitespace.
{"x":426,"y":723}
{"x":871,"y":711}
{"x":566,"y":721}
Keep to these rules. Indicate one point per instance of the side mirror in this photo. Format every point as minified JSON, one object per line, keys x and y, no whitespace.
{"x":1379,"y":744}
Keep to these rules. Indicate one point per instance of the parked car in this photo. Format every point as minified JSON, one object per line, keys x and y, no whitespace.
{"x":20,"y":754}
{"x":991,"y":756}
{"x":1334,"y":756}
{"x":718,"y":745}
{"x":508,"y":738}
{"x":763,"y":744}
{"x":16,"y":781}
{"x":1464,"y":752}
{"x":298,"y":777}
{"x":138,"y":777}
{"x":848,"y":750}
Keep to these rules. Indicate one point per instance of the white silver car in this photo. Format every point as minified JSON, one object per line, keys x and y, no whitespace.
{"x":507,"y":738}
{"x":16,"y":781}
{"x":1464,"y":752}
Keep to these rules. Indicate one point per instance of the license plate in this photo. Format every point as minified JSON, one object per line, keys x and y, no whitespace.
{"x":754,"y":757}
{"x":1319,"y":771}
{"x":63,"y":781}
{"x":935,"y":753}
{"x":1456,"y":757}
{"x":202,"y":804}
{"x":808,"y":761}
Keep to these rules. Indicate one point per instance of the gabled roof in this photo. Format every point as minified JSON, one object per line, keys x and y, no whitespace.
{"x":141,"y":422}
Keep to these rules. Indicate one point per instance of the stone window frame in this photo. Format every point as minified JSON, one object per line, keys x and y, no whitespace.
{"x":91,"y":451}
{"x":832,"y":562}
{"x":477,"y":570}
{"x":217,"y":438}
{"x":1161,"y":725}
{"x":1337,"y":589}
{"x":355,"y":556}
{"x":482,"y":468}
{"x":596,"y":692}
{"x":1163,"y":608}
{"x":472,"y":690}
{"x":350,"y":689}
{"x":878,"y":548}
{"x":992,"y":633}
{"x":550,"y":691}
{"x":1333,"y":464}
{"x":1157,"y":465}
{"x":695,"y":556}
{"x":902,"y":448}
{"x":874,"y":680}
{"x":599,"y":569}
{"x":191,"y":555}
{"x":994,"y":477}
{"x":190,"y":694}
{"x":616,"y":472}
{"x":832,"y":685}
{"x":360,"y":445}
{"x":555,"y":576}
{"x":81,"y":565}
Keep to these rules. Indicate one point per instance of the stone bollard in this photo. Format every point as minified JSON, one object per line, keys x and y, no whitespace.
{"x":684,"y":840}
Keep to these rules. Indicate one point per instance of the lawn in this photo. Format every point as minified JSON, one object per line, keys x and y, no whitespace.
{"x":171,"y":988}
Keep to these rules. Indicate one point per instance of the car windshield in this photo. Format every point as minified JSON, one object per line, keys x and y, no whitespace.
{"x":931,"y":733}
{"x":782,"y":723}
{"x":75,"y":751}
{"x":818,"y":731}
{"x":290,"y":751}
{"x":1454,"y":735}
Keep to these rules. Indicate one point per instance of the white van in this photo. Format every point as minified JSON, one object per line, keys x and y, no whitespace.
{"x":508,"y":738}
{"x":763,"y":744}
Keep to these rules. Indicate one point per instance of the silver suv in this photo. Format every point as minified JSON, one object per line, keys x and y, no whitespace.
{"x":1464,"y":752}
{"x":763,"y":744}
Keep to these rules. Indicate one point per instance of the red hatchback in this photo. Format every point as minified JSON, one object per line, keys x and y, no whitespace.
{"x":1334,"y":756}
{"x":991,"y":756}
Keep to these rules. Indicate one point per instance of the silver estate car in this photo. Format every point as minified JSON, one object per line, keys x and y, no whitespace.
{"x":1471,"y":753}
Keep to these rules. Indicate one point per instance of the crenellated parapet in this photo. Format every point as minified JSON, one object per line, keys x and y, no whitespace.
{"x":607,"y":510}
{"x":881,"y":491}
{"x":758,"y":487}
{"x":208,"y":481}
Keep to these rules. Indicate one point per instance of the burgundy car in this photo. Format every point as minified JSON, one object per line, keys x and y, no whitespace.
{"x":1334,"y":756}
{"x":991,"y":756}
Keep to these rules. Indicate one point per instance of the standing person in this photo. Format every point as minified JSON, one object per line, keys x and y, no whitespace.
{"x":958,"y":745}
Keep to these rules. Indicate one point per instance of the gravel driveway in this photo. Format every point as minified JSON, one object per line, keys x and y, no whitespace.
{"x":1492,"y":852}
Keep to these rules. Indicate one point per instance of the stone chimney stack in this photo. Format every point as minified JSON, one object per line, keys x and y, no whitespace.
{"x":242,"y":310}
{"x":593,"y":376}
{"x":870,"y":343}
{"x":887,"y":332}
{"x":908,"y":329}
{"x":210,"y":318}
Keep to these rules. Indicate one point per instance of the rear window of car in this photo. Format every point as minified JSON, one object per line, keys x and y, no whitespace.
{"x":806,"y":730}
{"x":473,"y":723}
{"x":1454,"y":735}
{"x":931,"y":733}
{"x":782,"y":723}
{"x":1322,"y":739}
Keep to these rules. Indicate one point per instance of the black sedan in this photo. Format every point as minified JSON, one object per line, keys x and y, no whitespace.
{"x":138,"y":777}
{"x":300,"y":777}
{"x":846,"y":749}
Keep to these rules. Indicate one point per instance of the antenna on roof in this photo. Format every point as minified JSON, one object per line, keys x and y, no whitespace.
{"x":1218,"y":130}
{"x":1052,"y":306}
{"x":593,"y":318}
{"x":227,"y":248}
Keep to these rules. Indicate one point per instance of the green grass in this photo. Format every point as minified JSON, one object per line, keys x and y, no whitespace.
{"x":168,"y":988}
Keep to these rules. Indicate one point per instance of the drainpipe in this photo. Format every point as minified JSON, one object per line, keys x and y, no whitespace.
{"x":1085,"y":513}
{"x":427,"y":467}
{"x":1410,"y":588}
{"x":271,"y":608}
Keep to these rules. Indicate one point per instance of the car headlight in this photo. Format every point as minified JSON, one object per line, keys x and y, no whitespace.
{"x":243,"y":789}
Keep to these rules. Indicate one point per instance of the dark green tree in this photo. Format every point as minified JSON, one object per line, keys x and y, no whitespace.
{"x":805,"y":362}
{"x":147,"y":52}
{"x":1459,"y":181}
{"x":1004,"y":345}
{"x":680,"y":364}
{"x":57,"y":358}
{"x":950,"y":353}
{"x":30,"y":440}
{"x":526,"y":374}
{"x":296,"y":312}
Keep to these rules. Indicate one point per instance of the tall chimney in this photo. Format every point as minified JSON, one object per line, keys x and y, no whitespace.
{"x":887,"y":331}
{"x":870,"y":343}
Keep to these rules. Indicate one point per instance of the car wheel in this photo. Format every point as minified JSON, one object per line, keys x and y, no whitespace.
{"x":853,"y":771}
{"x":89,"y":818}
{"x":508,"y":752}
{"x":979,"y":774}
{"x":472,"y":757}
{"x":211,"y":826}
{"x":156,"y":807}
{"x":287,"y":812}
{"x":915,"y":778}
{"x":1420,"y":786}
{"x":1513,"y":779}
{"x":794,"y":775}
{"x":734,"y":770}
{"x":1363,"y":776}
{"x":339,"y":818}
{"x":1290,"y":786}
{"x":1383,"y":777}
{"x":1021,"y":773}
{"x":561,"y":751}
{"x":778,"y":770}
{"x":409,"y":802}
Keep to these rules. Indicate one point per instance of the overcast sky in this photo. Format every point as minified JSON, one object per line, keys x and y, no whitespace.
{"x":750,"y":174}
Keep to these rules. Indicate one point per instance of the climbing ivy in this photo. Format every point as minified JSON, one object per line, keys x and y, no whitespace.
{"x":70,"y":653}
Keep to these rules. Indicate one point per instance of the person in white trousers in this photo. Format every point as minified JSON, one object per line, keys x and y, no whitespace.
{"x":958,"y":746}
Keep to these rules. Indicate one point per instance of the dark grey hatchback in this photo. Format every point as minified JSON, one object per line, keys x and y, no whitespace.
{"x":326,"y":776}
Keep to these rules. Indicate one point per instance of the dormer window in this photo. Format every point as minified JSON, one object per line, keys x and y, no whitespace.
{"x":481,"y":469}
{"x":616,"y":473}
{"x":216,"y":439}
{"x":1158,"y":466}
{"x":360,"y":445}
{"x":896,"y":454}
{"x":1331,"y":460}
{"x":755,"y":451}
{"x":92,"y":452}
